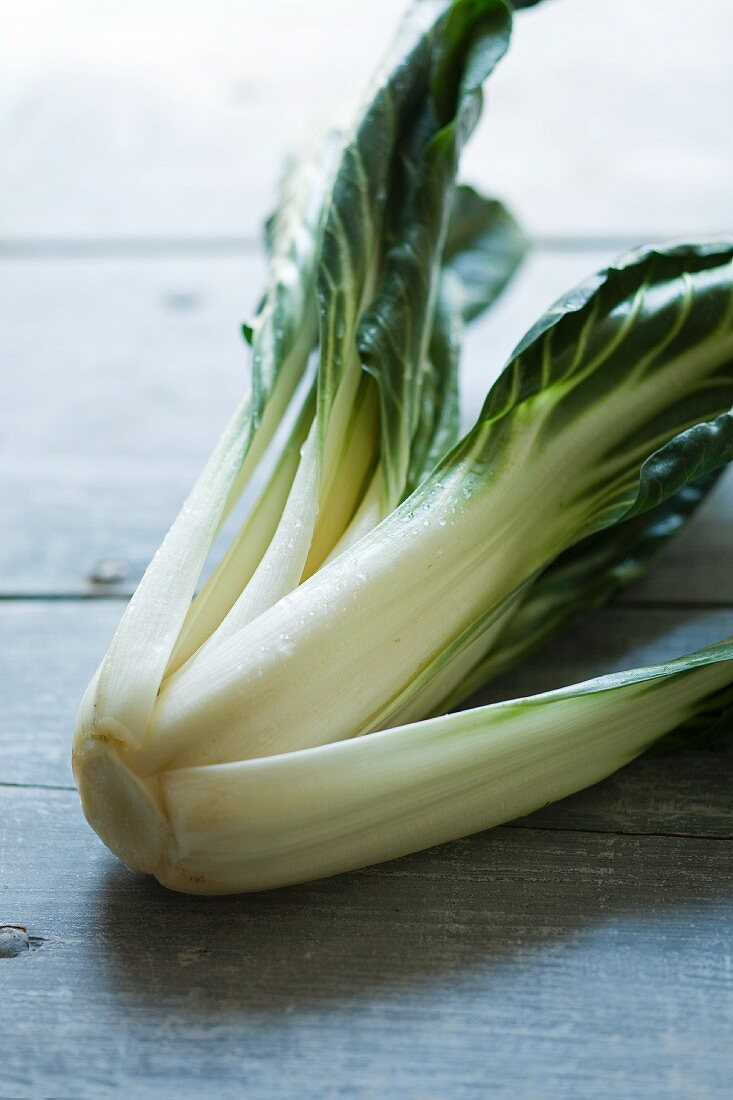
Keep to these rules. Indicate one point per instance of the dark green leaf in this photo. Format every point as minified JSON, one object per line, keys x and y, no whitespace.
{"x":484,"y":246}
{"x":394,"y":334}
{"x":283,"y":331}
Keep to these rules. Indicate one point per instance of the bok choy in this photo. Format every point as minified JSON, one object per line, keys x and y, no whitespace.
{"x":292,"y":720}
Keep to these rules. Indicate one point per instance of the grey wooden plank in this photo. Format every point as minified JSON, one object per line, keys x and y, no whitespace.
{"x":514,"y":964}
{"x":118,"y":375}
{"x":678,"y":794}
{"x":49,"y":651}
{"x":605,"y":118}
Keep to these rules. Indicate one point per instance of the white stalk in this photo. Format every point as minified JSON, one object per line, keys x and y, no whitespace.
{"x":370,"y":512}
{"x":281,"y":566}
{"x":350,"y":478}
{"x":398,"y":599}
{"x":263,"y":823}
{"x":238,"y":565}
{"x":428,"y":700}
{"x":482,"y":533}
{"x":121,"y":699}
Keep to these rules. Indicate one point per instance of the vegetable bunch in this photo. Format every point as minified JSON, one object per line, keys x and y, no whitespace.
{"x":295,"y":718}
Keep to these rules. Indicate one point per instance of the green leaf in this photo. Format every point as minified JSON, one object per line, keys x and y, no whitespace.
{"x":438,"y":421}
{"x":484,"y":247}
{"x":350,"y":255}
{"x":364,"y":196}
{"x":642,"y":353}
{"x":395,"y":186}
{"x":284,"y":329}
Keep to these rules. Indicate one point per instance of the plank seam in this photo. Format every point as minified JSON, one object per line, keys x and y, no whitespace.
{"x":37,"y":786}
{"x":614,"y":832}
{"x":145,"y":247}
{"x":63,"y":597}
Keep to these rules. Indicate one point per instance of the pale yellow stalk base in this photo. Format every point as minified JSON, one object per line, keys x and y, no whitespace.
{"x":126,"y":812}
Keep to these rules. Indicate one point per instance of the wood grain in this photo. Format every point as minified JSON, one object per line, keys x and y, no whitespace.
{"x":120,"y":376}
{"x":121,"y":372}
{"x":515,"y":963}
{"x":173,"y":122}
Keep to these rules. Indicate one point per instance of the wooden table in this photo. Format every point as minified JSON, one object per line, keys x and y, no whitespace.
{"x":584,"y":951}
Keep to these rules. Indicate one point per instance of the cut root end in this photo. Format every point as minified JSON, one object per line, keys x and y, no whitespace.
{"x":126,"y":812}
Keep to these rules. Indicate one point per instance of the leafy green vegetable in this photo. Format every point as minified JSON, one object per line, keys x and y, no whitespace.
{"x":277,"y":728}
{"x":339,"y":482}
{"x":617,"y":395}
